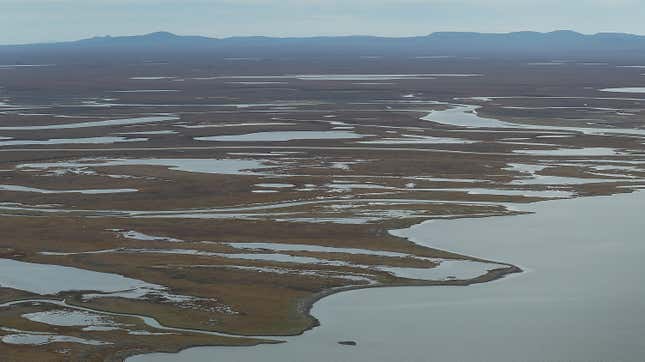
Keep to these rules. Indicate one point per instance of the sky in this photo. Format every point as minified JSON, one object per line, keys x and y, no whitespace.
{"x":29,"y":21}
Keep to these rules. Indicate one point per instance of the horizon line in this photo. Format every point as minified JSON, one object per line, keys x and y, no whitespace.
{"x":170,"y":33}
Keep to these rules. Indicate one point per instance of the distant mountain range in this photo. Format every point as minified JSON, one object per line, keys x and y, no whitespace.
{"x":562,"y":43}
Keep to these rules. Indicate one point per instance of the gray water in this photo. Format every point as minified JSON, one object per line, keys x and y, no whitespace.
{"x":65,"y":141}
{"x":462,"y":115}
{"x":107,"y":123}
{"x":197,"y":165}
{"x":282,"y":136}
{"x":52,"y":279}
{"x":417,"y":139}
{"x":42,"y":339}
{"x":17,"y":188}
{"x":625,"y":90}
{"x":349,"y":77}
{"x":580,"y":299}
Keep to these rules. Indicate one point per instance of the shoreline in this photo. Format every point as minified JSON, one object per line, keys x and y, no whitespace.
{"x":305,"y":306}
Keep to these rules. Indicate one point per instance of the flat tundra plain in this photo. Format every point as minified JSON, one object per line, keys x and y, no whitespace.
{"x":150,"y":206}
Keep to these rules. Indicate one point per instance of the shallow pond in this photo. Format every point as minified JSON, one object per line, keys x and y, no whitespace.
{"x":282,"y":136}
{"x":466,"y":116}
{"x":197,"y":165}
{"x":106,"y":123}
{"x":52,"y":279}
{"x":625,"y":90}
{"x":418,"y":139}
{"x":42,"y":339}
{"x":64,"y":141}
{"x":17,"y":188}
{"x":461,"y":115}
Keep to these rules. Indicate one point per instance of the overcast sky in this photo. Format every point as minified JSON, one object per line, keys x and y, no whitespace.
{"x":25,"y":21}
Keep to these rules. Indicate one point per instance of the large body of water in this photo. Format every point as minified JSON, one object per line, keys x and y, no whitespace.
{"x":581,"y":298}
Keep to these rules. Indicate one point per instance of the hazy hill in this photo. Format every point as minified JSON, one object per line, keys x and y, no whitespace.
{"x":557,"y":44}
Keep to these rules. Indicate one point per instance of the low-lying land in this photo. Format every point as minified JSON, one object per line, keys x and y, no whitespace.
{"x":155,"y":206}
